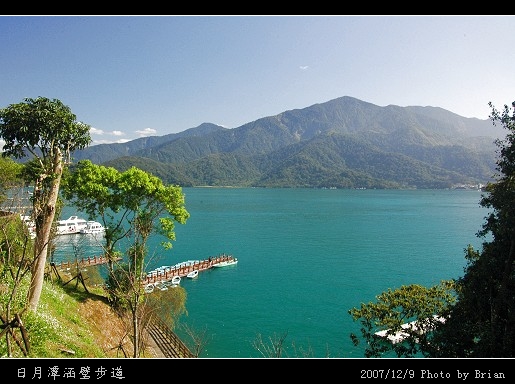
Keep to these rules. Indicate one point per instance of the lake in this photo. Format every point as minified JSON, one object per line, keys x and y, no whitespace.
{"x":307,"y":256}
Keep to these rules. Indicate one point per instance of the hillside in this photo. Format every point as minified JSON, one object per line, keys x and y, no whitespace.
{"x":343,"y":143}
{"x":73,"y":323}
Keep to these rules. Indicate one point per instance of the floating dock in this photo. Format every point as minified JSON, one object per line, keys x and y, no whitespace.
{"x":182,"y":269}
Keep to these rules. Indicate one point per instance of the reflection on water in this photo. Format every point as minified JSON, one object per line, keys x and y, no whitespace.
{"x":68,"y":248}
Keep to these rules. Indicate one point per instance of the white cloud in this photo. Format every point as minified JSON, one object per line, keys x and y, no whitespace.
{"x":116,"y":135}
{"x":105,"y":136}
{"x":119,"y":141}
{"x":95,"y":131}
{"x":146,"y":132}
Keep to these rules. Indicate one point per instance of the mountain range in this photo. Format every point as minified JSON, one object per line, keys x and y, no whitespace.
{"x":342,"y":143}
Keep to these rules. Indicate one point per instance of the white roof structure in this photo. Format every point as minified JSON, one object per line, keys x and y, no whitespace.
{"x":400,"y":335}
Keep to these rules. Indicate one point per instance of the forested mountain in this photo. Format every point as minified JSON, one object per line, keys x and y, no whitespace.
{"x":343,"y":143}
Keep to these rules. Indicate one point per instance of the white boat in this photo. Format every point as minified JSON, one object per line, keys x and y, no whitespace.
{"x":70,"y":226}
{"x":149,"y":288}
{"x":192,"y":274}
{"x":93,"y":227}
{"x":161,"y":285}
{"x":173,"y":282}
{"x":226,"y":263}
{"x":186,"y":263}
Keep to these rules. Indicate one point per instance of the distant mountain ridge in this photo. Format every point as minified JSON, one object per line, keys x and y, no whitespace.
{"x":342,"y":143}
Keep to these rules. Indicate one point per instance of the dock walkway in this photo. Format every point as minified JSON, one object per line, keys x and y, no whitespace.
{"x":83,"y":262}
{"x":168,"y":343}
{"x":182,"y":271}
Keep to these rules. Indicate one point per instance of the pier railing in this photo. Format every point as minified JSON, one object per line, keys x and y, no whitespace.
{"x":84,"y":262}
{"x":167,"y":341}
{"x":183,"y":270}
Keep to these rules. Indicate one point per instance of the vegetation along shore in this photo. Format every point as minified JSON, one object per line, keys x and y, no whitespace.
{"x":47,"y":313}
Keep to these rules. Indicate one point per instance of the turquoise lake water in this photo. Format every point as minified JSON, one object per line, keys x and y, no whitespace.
{"x":307,"y":256}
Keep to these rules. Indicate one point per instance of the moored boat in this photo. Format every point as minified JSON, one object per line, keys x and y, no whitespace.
{"x":161,"y":285}
{"x":192,"y":274}
{"x":149,"y":288}
{"x":173,"y":282}
{"x":226,"y":263}
{"x":187,"y":263}
{"x":70,"y":226}
{"x":93,"y":227}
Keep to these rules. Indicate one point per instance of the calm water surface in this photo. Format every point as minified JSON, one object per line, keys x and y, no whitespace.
{"x":307,"y":256}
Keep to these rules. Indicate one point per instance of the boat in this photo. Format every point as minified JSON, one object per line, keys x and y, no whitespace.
{"x":149,"y":288}
{"x":173,"y":282}
{"x":161,"y":286}
{"x":93,"y":227}
{"x":192,"y":274}
{"x":225,"y":263}
{"x":70,"y":226}
{"x":187,"y":263}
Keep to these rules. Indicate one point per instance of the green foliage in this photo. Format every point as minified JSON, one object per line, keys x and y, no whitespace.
{"x":46,"y":132}
{"x":41,"y":123}
{"x":132,"y":204}
{"x":15,"y":264}
{"x":398,"y":307}
{"x":334,"y":160}
{"x":344,"y":143}
{"x":120,"y":281}
{"x":56,"y":327}
{"x":138,"y":195}
{"x":168,"y":305}
{"x":11,"y":300}
{"x":10,"y":176}
{"x":482,"y":324}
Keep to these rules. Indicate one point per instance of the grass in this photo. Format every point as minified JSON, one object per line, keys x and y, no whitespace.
{"x":70,"y":322}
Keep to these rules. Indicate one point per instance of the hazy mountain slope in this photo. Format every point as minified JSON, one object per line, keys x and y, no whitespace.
{"x":104,"y":152}
{"x":343,"y":143}
{"x":344,"y":162}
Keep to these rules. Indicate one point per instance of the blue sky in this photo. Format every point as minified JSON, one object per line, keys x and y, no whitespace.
{"x":134,"y":76}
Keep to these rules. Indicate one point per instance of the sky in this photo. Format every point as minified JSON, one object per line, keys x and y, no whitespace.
{"x":135,"y":76}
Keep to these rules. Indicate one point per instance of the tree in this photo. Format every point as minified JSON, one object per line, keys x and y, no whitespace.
{"x":95,"y":190}
{"x":274,"y":348}
{"x":412,"y":312}
{"x":15,"y":257}
{"x":482,"y":323}
{"x":15,"y":263}
{"x":133,"y":205}
{"x":47,"y":131}
{"x":9,"y":177}
{"x":199,"y":339}
{"x":117,"y":197}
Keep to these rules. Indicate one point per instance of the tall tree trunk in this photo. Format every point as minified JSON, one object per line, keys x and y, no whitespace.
{"x":44,"y":211}
{"x":135,"y":328}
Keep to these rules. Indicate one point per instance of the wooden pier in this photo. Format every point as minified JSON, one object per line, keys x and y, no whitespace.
{"x":182,"y":271}
{"x":83,"y":262}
